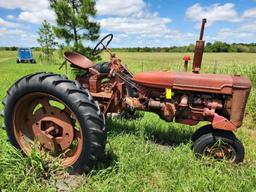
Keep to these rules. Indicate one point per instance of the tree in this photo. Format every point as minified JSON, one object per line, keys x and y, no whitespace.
{"x":74,"y":22}
{"x":47,"y":39}
{"x":242,"y":48}
{"x":219,"y":46}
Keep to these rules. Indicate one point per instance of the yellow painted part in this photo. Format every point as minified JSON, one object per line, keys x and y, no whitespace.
{"x":168,"y":93}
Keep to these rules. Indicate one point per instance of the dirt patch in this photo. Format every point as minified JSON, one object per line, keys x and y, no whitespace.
{"x":66,"y":182}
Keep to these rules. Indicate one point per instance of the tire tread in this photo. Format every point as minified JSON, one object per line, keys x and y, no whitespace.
{"x":95,"y":133}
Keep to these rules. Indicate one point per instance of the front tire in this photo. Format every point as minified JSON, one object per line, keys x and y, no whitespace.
{"x":201,"y":131}
{"x":220,"y":145}
{"x":32,"y":61}
{"x":58,"y":113}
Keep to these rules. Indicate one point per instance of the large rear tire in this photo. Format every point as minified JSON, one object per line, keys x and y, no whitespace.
{"x":60,"y":115}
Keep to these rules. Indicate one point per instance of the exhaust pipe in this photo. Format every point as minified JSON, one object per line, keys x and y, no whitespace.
{"x":199,"y":50}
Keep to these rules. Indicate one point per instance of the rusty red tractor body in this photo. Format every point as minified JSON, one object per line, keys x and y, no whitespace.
{"x":182,"y":97}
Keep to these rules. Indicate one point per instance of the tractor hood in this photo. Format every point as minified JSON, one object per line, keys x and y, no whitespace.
{"x":213,"y":83}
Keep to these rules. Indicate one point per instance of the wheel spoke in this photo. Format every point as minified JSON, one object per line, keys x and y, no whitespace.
{"x":50,"y":129}
{"x":45,"y":101}
{"x":45,"y":104}
{"x":26,"y":139}
{"x":58,"y":139}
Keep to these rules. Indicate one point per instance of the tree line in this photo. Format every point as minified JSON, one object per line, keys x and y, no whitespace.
{"x":216,"y":47}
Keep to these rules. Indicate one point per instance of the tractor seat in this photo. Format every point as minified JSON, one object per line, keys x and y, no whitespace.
{"x":78,"y":60}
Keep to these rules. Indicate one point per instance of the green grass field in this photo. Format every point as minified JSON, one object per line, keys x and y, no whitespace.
{"x":146,"y":154}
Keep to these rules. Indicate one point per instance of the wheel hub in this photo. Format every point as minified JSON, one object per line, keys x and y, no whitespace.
{"x":222,"y":151}
{"x":218,"y":153}
{"x":53,"y":129}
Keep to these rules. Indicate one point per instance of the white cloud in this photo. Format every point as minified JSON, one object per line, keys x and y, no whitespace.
{"x":245,"y":32}
{"x":10,"y":17}
{"x":148,"y":25}
{"x":33,"y":11}
{"x":213,"y":13}
{"x":250,"y":13}
{"x":4,"y":23}
{"x":226,"y":33}
{"x":24,"y":41}
{"x":120,"y":8}
{"x":5,"y":31}
{"x":24,"y":4}
{"x":131,"y":17}
{"x":248,"y":27}
{"x":17,"y":37}
{"x":37,"y":16}
{"x":135,"y":25}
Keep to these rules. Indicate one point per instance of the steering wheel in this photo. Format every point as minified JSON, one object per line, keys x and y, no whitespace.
{"x":109,"y":37}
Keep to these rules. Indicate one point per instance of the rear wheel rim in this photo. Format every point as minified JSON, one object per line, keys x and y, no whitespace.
{"x":47,"y":120}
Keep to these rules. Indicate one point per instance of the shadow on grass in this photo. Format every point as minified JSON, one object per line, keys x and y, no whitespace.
{"x":108,"y":162}
{"x":171,"y":135}
{"x":160,"y":133}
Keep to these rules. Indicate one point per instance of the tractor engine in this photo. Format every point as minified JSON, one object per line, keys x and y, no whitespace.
{"x":194,"y":107}
{"x":187,"y":108}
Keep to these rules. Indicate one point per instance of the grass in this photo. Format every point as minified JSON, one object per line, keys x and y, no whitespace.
{"x":146,"y":154}
{"x":37,"y":172}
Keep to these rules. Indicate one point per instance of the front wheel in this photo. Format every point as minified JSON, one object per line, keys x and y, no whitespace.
{"x":220,"y":145}
{"x":58,"y":115}
{"x":201,"y":131}
{"x":33,"y":61}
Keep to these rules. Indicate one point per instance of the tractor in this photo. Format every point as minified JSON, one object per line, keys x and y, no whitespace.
{"x":25,"y":56}
{"x":67,"y":117}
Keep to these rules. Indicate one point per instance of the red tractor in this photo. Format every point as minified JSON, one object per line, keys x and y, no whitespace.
{"x":67,"y":118}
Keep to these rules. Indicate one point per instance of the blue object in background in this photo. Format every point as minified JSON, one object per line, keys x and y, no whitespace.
{"x":25,"y":55}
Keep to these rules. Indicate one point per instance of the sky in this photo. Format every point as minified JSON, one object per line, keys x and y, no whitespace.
{"x":139,"y":23}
